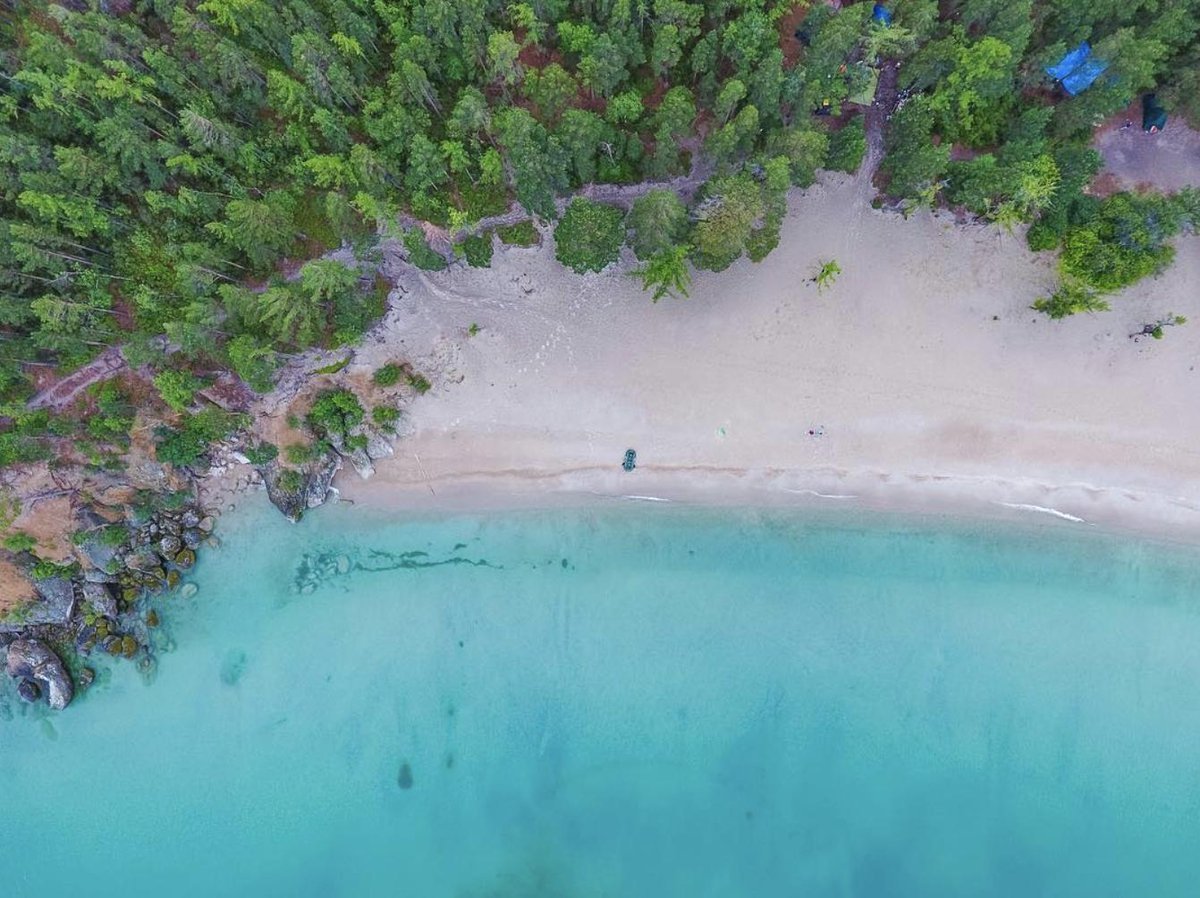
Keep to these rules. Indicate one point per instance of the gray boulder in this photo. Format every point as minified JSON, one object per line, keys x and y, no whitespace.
{"x":57,"y":604}
{"x":32,"y":659}
{"x":92,"y":575}
{"x":192,"y":538}
{"x":142,"y":560}
{"x":378,"y":446}
{"x":98,"y":555}
{"x":100,"y":597}
{"x":169,"y":546}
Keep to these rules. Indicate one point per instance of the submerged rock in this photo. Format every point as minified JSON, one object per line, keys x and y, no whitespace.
{"x":405,"y":778}
{"x":29,"y":691}
{"x":32,"y":659}
{"x":188,"y":590}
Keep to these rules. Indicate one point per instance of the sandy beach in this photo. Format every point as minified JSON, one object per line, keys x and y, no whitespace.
{"x":925,"y":380}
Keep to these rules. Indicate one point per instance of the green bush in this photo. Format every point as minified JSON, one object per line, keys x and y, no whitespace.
{"x":290,"y":481}
{"x":300,"y":453}
{"x":419,"y":382}
{"x":45,"y":570}
{"x":420,"y":253}
{"x":1124,"y":243}
{"x":477,"y":250}
{"x":847,"y":147}
{"x":385,"y":416}
{"x":1070,"y":299}
{"x":589,"y":235}
{"x":19,"y":542}
{"x":186,"y":444}
{"x":521,"y":234}
{"x":1041,"y":237}
{"x":387,"y":376}
{"x":335,"y":412}
{"x":262,"y":453}
{"x":177,"y":388}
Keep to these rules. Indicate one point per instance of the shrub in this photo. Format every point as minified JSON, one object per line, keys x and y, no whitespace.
{"x":300,"y":453}
{"x":385,"y":416}
{"x":262,"y":453}
{"x":589,"y":235}
{"x":1124,"y":243}
{"x":387,"y":376}
{"x":45,"y":570}
{"x":335,"y":412}
{"x":19,"y":542}
{"x":186,"y":444}
{"x":1041,"y":237}
{"x":420,"y":253}
{"x":847,"y":146}
{"x":1069,"y":299}
{"x":419,"y":382}
{"x":521,"y":234}
{"x":177,"y":388}
{"x":251,"y":362}
{"x":477,"y":249}
{"x":290,"y":481}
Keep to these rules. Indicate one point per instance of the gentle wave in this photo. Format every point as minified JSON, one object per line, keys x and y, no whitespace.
{"x":1042,"y":509}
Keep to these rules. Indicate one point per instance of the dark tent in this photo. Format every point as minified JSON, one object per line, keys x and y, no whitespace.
{"x":1154,"y":116}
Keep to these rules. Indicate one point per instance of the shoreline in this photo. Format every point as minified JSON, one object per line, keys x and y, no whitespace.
{"x":919,"y":382}
{"x":1074,"y":508}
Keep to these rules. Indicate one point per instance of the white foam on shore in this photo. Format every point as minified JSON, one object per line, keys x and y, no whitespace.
{"x":1042,"y":509}
{"x":647,"y":498}
{"x":820,"y":495}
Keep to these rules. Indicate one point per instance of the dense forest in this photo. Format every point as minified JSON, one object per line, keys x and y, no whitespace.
{"x":176,"y":173}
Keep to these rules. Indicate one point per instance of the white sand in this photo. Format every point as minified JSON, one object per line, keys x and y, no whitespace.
{"x":926,"y":401}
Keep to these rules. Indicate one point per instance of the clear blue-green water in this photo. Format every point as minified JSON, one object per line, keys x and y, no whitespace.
{"x":634,"y":702}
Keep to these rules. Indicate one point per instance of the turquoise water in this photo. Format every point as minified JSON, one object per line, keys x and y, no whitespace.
{"x":634,"y":702}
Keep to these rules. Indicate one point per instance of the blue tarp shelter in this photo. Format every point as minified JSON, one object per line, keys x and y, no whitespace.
{"x":881,"y":14}
{"x":1078,"y":69}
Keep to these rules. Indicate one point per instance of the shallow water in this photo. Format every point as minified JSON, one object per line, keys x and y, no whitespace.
{"x":634,"y":702}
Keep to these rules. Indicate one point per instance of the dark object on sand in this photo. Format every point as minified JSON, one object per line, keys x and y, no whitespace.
{"x":1154,"y":116}
{"x":630,"y":460}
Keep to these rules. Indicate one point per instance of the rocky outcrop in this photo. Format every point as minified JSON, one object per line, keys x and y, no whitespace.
{"x":294,"y":492}
{"x":32,"y":660}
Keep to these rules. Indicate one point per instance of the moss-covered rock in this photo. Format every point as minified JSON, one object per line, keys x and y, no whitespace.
{"x":152,"y":618}
{"x":185,"y":558}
